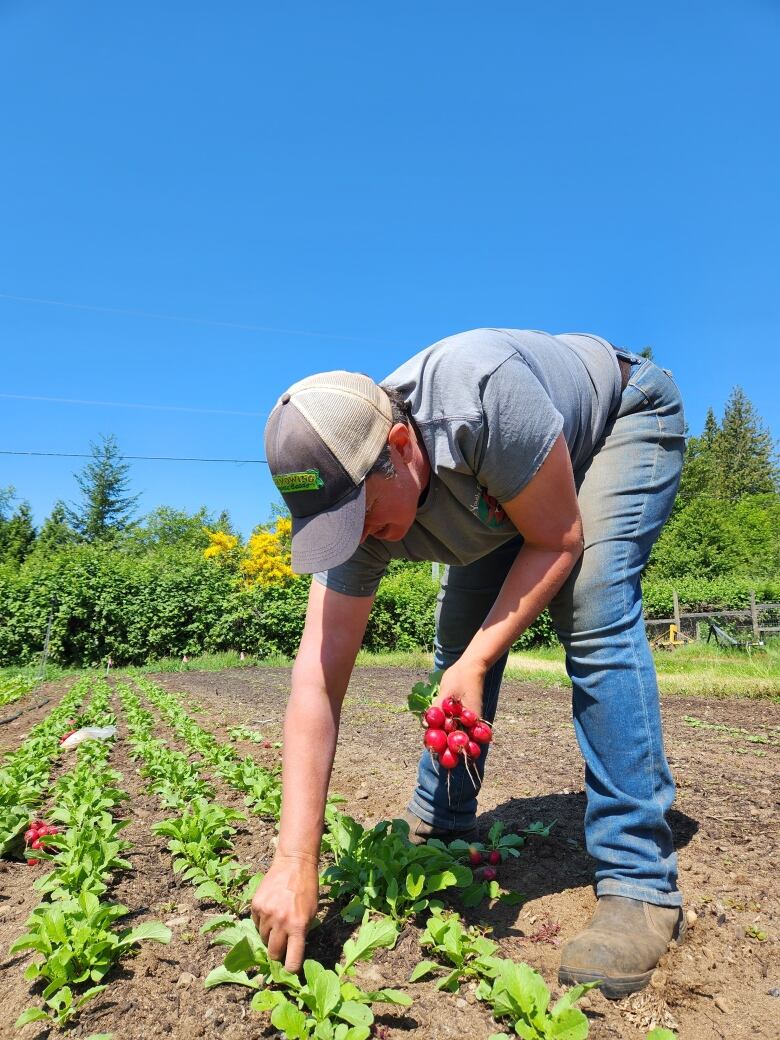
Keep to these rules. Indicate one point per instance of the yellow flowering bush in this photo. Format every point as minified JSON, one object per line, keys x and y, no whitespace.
{"x":264,"y":560}
{"x":220,"y":544}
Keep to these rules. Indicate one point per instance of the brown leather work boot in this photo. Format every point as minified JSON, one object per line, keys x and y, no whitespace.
{"x":420,"y":831}
{"x":621,"y":945}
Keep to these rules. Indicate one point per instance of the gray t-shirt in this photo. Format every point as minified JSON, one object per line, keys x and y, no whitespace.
{"x":489,"y":405}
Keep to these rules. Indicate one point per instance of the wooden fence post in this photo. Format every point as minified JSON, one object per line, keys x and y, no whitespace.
{"x":754,"y":616}
{"x":676,"y":602}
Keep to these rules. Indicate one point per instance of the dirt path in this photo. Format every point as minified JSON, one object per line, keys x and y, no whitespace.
{"x":717,"y":984}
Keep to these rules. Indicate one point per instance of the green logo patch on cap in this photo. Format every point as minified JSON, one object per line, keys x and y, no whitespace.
{"x":305,"y":480}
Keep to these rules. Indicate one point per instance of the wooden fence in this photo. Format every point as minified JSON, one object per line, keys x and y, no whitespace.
{"x":749,"y":617}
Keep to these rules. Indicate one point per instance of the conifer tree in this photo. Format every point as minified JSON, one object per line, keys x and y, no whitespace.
{"x":18,"y":535}
{"x":56,"y":532}
{"x":106,"y":506}
{"x":745,"y":451}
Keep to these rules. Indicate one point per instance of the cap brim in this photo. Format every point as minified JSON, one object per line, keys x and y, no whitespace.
{"x":329,"y":538}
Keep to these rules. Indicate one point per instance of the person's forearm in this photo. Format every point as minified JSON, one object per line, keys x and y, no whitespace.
{"x":310,"y":731}
{"x":533,"y":579}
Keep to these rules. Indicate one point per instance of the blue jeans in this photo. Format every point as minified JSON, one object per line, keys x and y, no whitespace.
{"x":625,"y":494}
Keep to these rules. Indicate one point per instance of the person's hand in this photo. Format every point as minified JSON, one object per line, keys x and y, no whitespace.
{"x":465,"y":680}
{"x":284,"y":905}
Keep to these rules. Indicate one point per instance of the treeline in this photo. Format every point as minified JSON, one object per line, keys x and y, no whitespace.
{"x":171,"y":583}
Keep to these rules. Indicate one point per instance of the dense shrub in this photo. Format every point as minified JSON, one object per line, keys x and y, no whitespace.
{"x":170,"y":601}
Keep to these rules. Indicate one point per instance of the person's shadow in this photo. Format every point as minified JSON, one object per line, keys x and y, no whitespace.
{"x":559,"y":862}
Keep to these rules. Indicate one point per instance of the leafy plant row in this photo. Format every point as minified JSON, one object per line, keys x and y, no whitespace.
{"x":24,"y":774}
{"x":200,"y":837}
{"x":72,"y":928}
{"x":14,"y":687}
{"x":262,"y":787}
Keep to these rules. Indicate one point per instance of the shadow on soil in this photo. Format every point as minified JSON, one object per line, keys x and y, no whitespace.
{"x":547,"y":866}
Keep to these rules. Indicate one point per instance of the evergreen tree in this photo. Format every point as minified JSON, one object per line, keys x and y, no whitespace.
{"x":746,"y":459}
{"x":56,"y":532}
{"x":647,"y":352}
{"x":700,"y":466}
{"x":224,"y":523}
{"x":7,"y":496}
{"x":18,"y":535}
{"x":106,"y":506}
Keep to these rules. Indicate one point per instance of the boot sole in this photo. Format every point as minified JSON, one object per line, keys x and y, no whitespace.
{"x":612,"y":988}
{"x":618,"y":986}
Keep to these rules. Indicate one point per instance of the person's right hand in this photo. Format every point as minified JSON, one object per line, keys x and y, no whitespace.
{"x":284,"y":905}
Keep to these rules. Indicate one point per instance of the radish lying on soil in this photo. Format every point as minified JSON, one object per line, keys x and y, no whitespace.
{"x":35,"y":837}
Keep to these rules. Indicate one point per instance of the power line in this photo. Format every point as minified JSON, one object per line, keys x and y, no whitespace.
{"x":129,"y":312}
{"x":132,"y":404}
{"x":134,"y":458}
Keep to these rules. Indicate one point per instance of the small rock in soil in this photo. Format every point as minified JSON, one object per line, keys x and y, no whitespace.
{"x":692,"y":917}
{"x":774,"y":991}
{"x":185,"y":979}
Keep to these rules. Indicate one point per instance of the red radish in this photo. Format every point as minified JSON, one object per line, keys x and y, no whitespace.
{"x":468,"y":717}
{"x":475,"y":857}
{"x":434,"y":717}
{"x":481,"y":733}
{"x":494,"y":858}
{"x":436,"y":740}
{"x":457,"y":741}
{"x":451,"y":706}
{"x":36,"y":843}
{"x":488,"y":874}
{"x":32,"y":862}
{"x":448,"y":759}
{"x":450,"y":725}
{"x":49,"y":829}
{"x":473,"y":750}
{"x":30,"y":835}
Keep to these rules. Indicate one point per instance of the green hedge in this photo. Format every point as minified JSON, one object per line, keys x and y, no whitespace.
{"x":136,"y":608}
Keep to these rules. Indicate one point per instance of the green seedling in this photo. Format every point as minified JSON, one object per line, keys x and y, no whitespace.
{"x":77,"y":945}
{"x":462,"y":950}
{"x":380,"y":870}
{"x":517,"y":992}
{"x":326,"y":1004}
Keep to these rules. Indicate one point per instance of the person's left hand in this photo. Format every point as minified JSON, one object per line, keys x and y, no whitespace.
{"x":465,"y":680}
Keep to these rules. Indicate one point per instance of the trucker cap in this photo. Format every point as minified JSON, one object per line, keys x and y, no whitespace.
{"x":321,"y":439}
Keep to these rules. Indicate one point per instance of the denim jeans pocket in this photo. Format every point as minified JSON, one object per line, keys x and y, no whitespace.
{"x":651,"y":388}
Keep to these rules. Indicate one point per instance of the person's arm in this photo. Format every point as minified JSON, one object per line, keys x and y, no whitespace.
{"x":286,"y":899}
{"x":547,"y":515}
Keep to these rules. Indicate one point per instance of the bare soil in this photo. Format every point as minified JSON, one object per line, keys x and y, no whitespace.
{"x":719,"y":983}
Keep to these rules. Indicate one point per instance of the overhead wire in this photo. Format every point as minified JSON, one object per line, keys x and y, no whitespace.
{"x":133,"y":458}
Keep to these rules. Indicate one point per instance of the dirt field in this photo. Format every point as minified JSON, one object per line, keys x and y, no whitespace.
{"x":724,"y":981}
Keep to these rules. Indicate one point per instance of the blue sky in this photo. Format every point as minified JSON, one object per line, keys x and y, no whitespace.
{"x":220,"y":199}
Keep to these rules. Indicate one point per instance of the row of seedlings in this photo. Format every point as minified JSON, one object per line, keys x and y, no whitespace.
{"x":200,"y":836}
{"x":72,"y":929}
{"x":24,"y":773}
{"x":326,"y":1003}
{"x":261,"y":787}
{"x":14,"y":687}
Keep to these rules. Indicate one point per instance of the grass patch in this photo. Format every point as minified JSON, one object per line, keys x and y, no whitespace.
{"x":695,"y":670}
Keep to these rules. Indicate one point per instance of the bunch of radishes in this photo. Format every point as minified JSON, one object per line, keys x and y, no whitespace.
{"x":34,"y":837}
{"x":455,"y":733}
{"x":493,"y":858}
